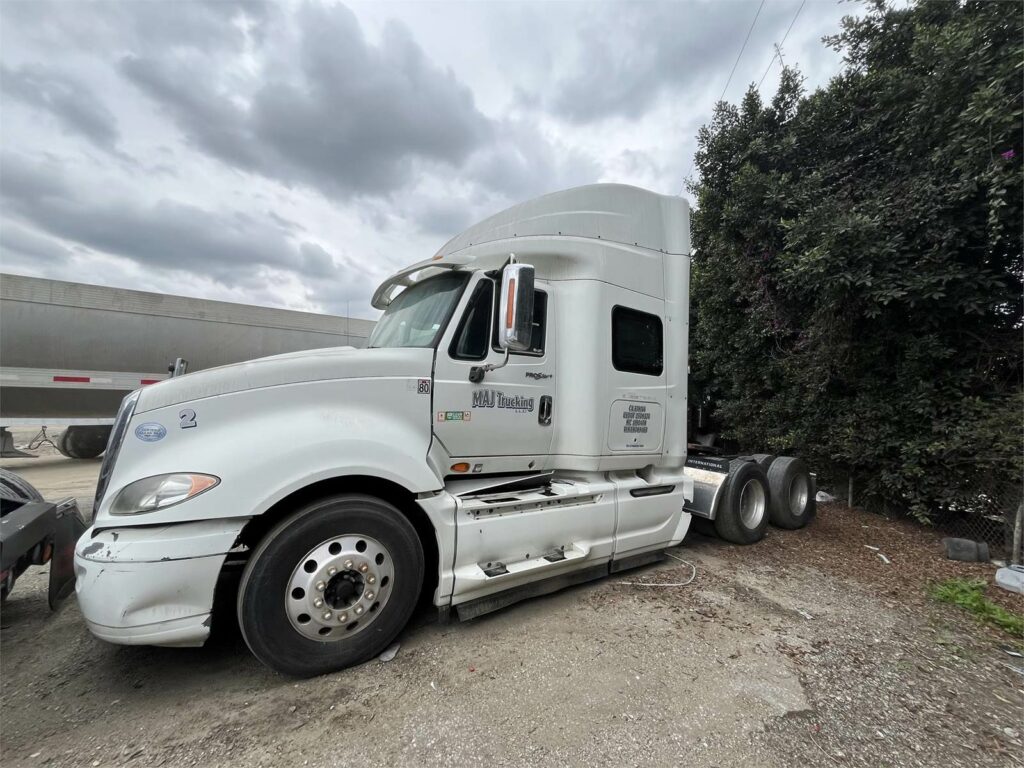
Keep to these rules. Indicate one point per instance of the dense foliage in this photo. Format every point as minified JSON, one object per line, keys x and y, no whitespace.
{"x":857,"y":270}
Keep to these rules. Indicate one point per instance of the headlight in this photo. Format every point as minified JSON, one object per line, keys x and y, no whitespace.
{"x":153,"y":493}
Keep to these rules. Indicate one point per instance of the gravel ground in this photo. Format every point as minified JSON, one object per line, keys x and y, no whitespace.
{"x":806,"y":649}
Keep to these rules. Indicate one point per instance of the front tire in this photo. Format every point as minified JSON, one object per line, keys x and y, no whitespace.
{"x":742,"y":515}
{"x":331,"y":586}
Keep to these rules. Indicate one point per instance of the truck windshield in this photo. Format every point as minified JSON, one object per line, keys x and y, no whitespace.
{"x":418,"y":314}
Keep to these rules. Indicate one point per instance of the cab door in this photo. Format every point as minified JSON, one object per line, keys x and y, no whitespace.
{"x":504,"y":422}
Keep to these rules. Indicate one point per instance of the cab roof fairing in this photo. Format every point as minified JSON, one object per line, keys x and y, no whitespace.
{"x":614,"y":215}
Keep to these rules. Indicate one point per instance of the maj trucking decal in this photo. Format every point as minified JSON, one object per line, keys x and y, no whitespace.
{"x":492,"y":398}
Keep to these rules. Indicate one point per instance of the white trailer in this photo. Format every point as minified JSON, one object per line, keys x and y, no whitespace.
{"x":517,"y":424}
{"x":72,"y":351}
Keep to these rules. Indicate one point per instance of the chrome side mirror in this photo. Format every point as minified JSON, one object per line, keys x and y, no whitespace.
{"x":515,"y":312}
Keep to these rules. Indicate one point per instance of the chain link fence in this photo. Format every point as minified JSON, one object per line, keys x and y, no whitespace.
{"x":994,"y":517}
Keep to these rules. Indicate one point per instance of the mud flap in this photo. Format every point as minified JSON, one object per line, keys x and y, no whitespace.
{"x":68,"y":528}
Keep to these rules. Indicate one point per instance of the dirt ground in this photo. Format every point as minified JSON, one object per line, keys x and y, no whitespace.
{"x":806,"y":649}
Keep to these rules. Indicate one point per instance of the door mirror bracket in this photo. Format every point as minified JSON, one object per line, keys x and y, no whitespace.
{"x":476,"y":373}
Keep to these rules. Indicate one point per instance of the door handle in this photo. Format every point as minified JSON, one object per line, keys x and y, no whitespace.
{"x":544,"y":412}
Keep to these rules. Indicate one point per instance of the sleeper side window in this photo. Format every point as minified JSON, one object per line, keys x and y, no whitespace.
{"x":470,"y":340}
{"x":637,"y":345}
{"x":537,"y":336}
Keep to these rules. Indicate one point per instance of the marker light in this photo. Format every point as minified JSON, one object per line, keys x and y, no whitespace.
{"x":159,"y":492}
{"x":510,"y":304}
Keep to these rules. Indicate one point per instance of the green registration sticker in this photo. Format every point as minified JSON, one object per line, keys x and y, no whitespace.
{"x":454,"y":415}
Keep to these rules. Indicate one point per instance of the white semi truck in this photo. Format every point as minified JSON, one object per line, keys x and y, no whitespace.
{"x":517,"y":424}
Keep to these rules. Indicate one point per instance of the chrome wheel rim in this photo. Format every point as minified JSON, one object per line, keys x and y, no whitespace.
{"x":799,"y":490}
{"x":339,"y":588}
{"x":752,"y":504}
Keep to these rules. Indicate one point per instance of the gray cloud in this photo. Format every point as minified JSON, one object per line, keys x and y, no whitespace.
{"x":19,"y":245}
{"x":55,"y":26}
{"x":340,"y":114}
{"x":316,"y":262}
{"x":165,"y":234}
{"x":627,"y":55}
{"x":74,"y":105}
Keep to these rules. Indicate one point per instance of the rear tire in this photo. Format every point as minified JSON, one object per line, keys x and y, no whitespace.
{"x":15,"y":488}
{"x":792,"y":501}
{"x":83,"y":442}
{"x":292,"y":568}
{"x":763,"y":460}
{"x":742,"y":515}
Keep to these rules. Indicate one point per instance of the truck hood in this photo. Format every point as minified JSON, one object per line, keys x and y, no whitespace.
{"x":291,"y":368}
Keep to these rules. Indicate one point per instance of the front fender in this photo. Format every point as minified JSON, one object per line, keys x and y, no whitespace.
{"x":266,"y":443}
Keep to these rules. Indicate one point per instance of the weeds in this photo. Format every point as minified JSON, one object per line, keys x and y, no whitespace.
{"x":969,"y":594}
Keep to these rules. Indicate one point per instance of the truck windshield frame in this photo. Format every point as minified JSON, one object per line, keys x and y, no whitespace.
{"x":418,"y":316}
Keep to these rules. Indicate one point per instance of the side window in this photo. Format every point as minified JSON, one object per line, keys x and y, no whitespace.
{"x":537,"y":337}
{"x":636,"y":342}
{"x":470,"y":341}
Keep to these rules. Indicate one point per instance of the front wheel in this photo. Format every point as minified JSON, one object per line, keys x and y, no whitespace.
{"x":331,"y":586}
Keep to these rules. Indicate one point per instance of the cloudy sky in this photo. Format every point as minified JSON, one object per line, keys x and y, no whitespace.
{"x":294,"y":154}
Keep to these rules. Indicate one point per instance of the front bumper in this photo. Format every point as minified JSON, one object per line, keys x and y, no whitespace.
{"x":152,"y":585}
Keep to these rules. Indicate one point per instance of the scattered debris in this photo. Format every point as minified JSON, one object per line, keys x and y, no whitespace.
{"x":966,"y":550}
{"x":1011,"y":579}
{"x":873,"y":549}
{"x":390,"y":652}
{"x":824,"y":498}
{"x":885,"y":559}
{"x":803,"y":613}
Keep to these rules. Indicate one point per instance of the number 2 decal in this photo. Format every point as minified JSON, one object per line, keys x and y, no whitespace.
{"x":187,"y":418}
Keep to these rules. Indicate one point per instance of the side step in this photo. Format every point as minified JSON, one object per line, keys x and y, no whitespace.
{"x":483,"y":605}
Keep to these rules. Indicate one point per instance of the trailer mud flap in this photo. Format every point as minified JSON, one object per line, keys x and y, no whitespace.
{"x":68,"y":528}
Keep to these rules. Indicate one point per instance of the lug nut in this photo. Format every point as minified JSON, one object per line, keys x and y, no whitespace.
{"x":358,"y":609}
{"x":348,"y":564}
{"x":369,"y":595}
{"x":342,"y":617}
{"x":318,"y":603}
{"x":331,"y":571}
{"x":327,"y":615}
{"x":370,"y":579}
{"x":320,"y":586}
{"x":364,"y":568}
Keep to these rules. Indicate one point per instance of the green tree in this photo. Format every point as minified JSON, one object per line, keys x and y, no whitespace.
{"x":857,"y":269}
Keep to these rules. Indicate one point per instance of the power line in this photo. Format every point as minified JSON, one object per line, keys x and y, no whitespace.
{"x":727,"y":82}
{"x":742,"y":48}
{"x":778,"y":48}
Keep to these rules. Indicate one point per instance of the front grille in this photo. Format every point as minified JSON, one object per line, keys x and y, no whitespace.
{"x":124,"y":415}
